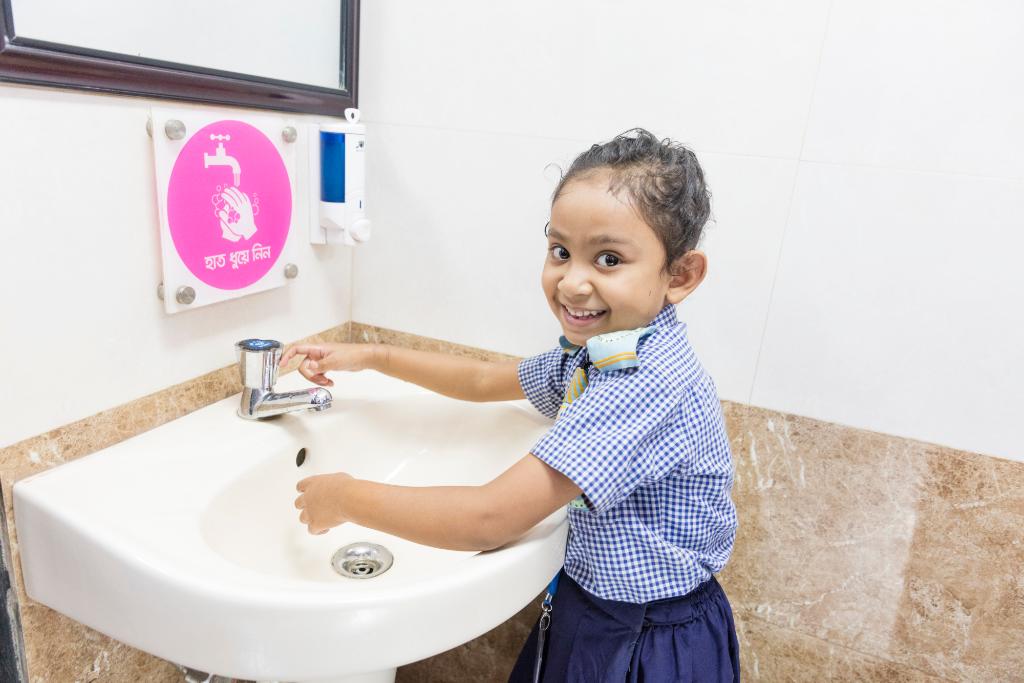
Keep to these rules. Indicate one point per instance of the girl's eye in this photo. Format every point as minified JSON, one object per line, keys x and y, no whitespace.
{"x":608,"y":260}
{"x":559,"y":253}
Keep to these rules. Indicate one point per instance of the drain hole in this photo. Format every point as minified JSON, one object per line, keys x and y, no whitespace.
{"x":300,"y":458}
{"x":362,"y":560}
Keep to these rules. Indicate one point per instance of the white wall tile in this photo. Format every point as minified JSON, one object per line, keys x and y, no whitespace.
{"x":82,"y":327}
{"x":866,"y":315}
{"x":922,"y":84}
{"x":458,"y":240}
{"x":898,"y":305}
{"x":725,"y":316}
{"x":733,"y":76}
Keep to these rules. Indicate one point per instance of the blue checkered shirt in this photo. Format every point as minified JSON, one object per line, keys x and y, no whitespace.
{"x":648,"y":447}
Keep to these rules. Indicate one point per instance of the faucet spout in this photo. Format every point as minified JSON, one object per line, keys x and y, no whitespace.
{"x":257,"y":366}
{"x":258,"y":404}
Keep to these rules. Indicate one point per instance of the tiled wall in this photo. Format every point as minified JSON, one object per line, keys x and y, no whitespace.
{"x":865,"y":159}
{"x":860,"y":556}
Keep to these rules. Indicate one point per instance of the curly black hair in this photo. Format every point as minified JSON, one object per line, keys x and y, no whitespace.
{"x":663,"y":180}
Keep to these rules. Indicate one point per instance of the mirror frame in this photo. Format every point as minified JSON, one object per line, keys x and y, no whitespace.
{"x":37,"y":62}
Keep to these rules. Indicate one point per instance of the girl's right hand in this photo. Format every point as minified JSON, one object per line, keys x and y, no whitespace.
{"x":322,"y":358}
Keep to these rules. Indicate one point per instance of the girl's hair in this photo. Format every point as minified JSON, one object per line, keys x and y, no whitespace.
{"x":663,"y":181}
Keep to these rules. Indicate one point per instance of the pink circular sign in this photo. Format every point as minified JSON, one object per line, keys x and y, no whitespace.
{"x":229,"y":204}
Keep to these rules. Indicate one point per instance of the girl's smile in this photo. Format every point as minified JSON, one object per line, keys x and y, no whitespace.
{"x":581,"y":318}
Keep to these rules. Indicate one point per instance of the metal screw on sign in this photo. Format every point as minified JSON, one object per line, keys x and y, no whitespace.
{"x":174,"y":129}
{"x":185,"y":295}
{"x":291,"y":271}
{"x":289,"y":134}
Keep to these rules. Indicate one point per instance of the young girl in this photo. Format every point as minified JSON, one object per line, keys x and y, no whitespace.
{"x":638,"y":449}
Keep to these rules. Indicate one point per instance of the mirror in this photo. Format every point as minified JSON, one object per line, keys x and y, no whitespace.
{"x":249,"y":53}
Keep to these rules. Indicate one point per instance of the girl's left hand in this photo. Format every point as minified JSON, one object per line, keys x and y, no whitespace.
{"x":320,"y":500}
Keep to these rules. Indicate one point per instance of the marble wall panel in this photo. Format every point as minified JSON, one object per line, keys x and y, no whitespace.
{"x":487,"y":658}
{"x":961,"y":614}
{"x":369,"y":334}
{"x":775,"y":654}
{"x":896,"y":549}
{"x":826,"y":522}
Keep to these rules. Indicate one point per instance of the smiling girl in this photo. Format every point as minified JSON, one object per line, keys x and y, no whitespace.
{"x":638,"y":449}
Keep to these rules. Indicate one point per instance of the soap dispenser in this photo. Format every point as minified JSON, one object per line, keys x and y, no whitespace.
{"x":341,"y":154}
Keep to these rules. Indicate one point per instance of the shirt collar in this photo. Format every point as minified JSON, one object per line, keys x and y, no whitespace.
{"x":666,"y":318}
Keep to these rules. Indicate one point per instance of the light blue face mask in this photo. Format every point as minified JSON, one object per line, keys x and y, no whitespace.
{"x":611,"y":350}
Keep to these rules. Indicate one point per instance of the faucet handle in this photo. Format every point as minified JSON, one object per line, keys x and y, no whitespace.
{"x":257,"y":362}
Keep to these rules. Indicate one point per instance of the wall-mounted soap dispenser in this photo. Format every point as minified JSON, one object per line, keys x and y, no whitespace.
{"x":337,"y":155}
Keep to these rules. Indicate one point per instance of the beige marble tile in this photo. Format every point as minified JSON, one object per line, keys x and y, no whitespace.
{"x":776,"y":654}
{"x":61,"y":649}
{"x":823,"y":539}
{"x":962,"y":610}
{"x":902,"y":550}
{"x":368,"y":334}
{"x":487,"y":658}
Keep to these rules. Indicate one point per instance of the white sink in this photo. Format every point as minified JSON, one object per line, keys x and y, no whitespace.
{"x":184,"y":541}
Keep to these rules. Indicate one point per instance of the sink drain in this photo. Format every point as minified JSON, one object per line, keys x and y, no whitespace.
{"x":362,"y":560}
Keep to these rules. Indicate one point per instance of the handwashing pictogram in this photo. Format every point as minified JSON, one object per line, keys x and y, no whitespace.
{"x":237,"y":214}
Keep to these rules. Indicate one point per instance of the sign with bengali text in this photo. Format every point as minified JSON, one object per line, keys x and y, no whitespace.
{"x":229,"y":204}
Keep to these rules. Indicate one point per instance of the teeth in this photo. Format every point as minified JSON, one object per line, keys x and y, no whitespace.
{"x":582,"y":312}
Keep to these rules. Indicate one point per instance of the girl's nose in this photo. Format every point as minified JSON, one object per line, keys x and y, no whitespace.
{"x":575,"y":283}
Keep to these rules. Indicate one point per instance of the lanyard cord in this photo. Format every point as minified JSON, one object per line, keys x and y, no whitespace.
{"x":544,"y":625}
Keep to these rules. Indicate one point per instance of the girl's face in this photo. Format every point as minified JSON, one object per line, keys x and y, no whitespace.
{"x":605,"y":269}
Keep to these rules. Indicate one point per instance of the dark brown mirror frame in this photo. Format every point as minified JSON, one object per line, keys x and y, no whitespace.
{"x":38,"y":62}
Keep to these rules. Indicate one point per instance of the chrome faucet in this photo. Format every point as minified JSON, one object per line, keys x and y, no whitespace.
{"x":257,"y":365}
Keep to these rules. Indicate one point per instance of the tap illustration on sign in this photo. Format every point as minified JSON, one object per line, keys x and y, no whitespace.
{"x":221,"y":158}
{"x":235,"y":210}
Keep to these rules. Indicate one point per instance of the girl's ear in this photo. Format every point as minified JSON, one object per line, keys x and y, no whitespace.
{"x":685,"y":273}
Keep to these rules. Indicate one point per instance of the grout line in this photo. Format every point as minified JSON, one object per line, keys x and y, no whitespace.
{"x":799,"y":158}
{"x":555,"y":138}
{"x":910,"y":169}
{"x":751,"y":615}
{"x":789,"y":210}
{"x":479,"y":131}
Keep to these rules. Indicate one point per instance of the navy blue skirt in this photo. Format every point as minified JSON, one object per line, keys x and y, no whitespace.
{"x":691,"y":638}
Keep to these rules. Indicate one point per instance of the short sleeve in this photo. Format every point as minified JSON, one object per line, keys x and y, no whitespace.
{"x":541,"y":380}
{"x":612,"y":438}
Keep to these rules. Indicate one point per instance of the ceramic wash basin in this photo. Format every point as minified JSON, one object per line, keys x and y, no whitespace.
{"x":184,"y":541}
